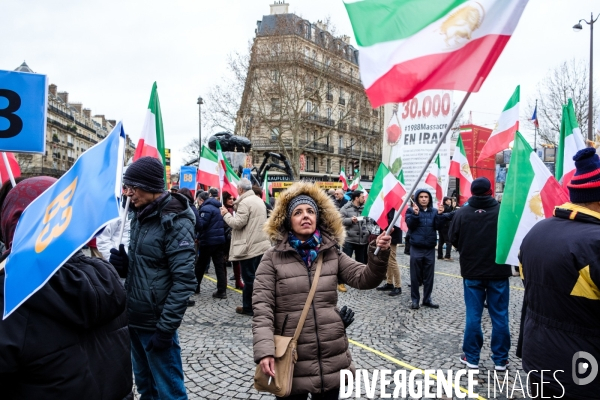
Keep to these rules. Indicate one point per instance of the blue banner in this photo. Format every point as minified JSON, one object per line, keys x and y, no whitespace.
{"x":64,"y":218}
{"x":187,"y":177}
{"x":23,"y":107}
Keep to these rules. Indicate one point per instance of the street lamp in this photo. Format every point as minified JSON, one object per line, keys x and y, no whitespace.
{"x":577,"y":27}
{"x":200,"y":102}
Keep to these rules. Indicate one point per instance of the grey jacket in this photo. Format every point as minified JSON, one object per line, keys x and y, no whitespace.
{"x":356,"y":233}
{"x":161,"y":264}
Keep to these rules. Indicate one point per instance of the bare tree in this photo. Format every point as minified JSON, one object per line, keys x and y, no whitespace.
{"x":568,"y":80}
{"x":281,"y":93}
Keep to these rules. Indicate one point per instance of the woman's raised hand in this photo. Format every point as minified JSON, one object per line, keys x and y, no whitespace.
{"x":267,"y":364}
{"x":384,"y":240}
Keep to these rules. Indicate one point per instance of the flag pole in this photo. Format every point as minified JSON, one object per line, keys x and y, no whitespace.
{"x":10,"y":173}
{"x":124,"y":218}
{"x":433,"y":153}
{"x":535,"y":131}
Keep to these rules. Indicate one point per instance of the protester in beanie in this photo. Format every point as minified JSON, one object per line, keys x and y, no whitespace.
{"x":69,"y":339}
{"x":443,"y":232}
{"x":357,"y":239}
{"x":561,"y":307}
{"x":160,"y":278}
{"x":237,"y":269}
{"x":304,"y":225}
{"x":474,"y":232}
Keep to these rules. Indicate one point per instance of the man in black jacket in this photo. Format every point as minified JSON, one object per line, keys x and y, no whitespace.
{"x":473,"y":231}
{"x":422,"y":221}
{"x":211,"y":243}
{"x":160,"y":278}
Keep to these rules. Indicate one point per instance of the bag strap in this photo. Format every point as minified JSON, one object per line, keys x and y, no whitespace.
{"x":309,"y":300}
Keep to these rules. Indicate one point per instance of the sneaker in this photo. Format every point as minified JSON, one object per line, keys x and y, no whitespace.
{"x":387,"y":286}
{"x":342,"y":287}
{"x":463,"y":359}
{"x":500,"y":367}
{"x":395,"y":292}
{"x":414,"y":305}
{"x":218,"y":295}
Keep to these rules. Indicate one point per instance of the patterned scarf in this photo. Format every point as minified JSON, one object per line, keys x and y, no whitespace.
{"x":308,"y":249}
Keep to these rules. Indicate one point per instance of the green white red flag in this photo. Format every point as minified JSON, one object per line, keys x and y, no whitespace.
{"x":434,"y":179}
{"x":459,"y":168}
{"x":504,"y":132}
{"x":401,"y":176}
{"x":226,"y":175}
{"x":266,"y":189}
{"x":569,"y":143}
{"x":208,"y":171}
{"x":530,"y":195}
{"x":354,"y":185}
{"x":344,"y":179}
{"x":386,"y":193}
{"x":152,"y":139}
{"x":409,"y":46}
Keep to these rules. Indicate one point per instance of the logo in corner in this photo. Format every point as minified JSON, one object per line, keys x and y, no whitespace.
{"x":184,"y":243}
{"x":581,"y":368}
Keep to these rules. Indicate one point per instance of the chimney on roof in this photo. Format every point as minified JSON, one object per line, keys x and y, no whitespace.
{"x":52,"y":89}
{"x":346,"y":39}
{"x":77,"y":106}
{"x":112,"y":122}
{"x":279,"y":7}
{"x":87,"y":113}
{"x":64,"y":96}
{"x":102,"y":119}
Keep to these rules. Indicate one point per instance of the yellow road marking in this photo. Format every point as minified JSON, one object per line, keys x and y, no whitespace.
{"x":228,"y":287}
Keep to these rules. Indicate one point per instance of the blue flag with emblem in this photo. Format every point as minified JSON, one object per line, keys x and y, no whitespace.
{"x":64,"y":218}
{"x":187,"y":177}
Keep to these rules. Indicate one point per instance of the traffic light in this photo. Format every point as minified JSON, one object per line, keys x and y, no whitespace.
{"x":355,"y":166}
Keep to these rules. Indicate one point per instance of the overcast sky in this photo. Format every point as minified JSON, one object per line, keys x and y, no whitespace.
{"x":108,"y":53}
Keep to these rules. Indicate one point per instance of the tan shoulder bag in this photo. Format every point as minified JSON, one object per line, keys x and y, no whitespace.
{"x":285,"y":351}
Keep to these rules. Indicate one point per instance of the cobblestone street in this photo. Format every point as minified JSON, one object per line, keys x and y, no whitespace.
{"x":386,"y":334}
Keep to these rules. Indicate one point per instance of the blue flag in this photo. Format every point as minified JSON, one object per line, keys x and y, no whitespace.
{"x":187,"y":177}
{"x":64,"y":218}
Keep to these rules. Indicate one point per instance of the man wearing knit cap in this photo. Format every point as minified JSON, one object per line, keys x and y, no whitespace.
{"x":160,"y":278}
{"x":474,"y":231}
{"x":560,"y":320}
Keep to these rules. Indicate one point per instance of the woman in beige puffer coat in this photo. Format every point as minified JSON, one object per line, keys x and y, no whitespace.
{"x":284,"y":278}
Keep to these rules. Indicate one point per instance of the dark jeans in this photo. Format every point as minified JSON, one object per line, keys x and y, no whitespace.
{"x":422,"y":266}
{"x":330,"y":395}
{"x":158,"y":373}
{"x":497,"y":293}
{"x":249,"y":267}
{"x":443,"y":238}
{"x":360,"y":250}
{"x":216,"y":254}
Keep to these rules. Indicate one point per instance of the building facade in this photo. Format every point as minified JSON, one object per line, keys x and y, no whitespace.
{"x":70,"y":131}
{"x":303,"y":98}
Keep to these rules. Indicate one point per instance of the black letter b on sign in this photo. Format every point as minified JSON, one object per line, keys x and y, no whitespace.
{"x":15,"y":123}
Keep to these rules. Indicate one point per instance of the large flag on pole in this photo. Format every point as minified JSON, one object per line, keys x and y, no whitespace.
{"x":530,"y":195}
{"x":505,"y":129}
{"x":534,"y":118}
{"x":434,"y":179}
{"x":208,"y":171}
{"x":410,"y":46}
{"x":459,"y":168}
{"x":152,"y":139}
{"x":344,"y":179}
{"x":64,"y":218}
{"x":569,"y":143}
{"x":225,"y":182}
{"x":386,"y":193}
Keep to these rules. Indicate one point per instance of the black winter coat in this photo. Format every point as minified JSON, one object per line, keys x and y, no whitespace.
{"x":161,"y":264}
{"x":561,"y":306}
{"x":397,"y":233}
{"x":474,"y":232}
{"x":422,"y":227}
{"x":212,"y":226}
{"x":70,"y":339}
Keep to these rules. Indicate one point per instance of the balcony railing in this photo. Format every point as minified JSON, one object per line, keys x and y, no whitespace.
{"x":311,"y":145}
{"x":342,"y":101}
{"x":318,"y":119}
{"x":355,"y":153}
{"x":329,"y":97}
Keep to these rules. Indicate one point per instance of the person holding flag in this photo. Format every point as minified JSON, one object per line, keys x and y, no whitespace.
{"x":159,"y":268}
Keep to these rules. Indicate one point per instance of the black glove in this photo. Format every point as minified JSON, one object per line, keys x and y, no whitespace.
{"x":160,"y":341}
{"x":347,"y":316}
{"x":119,"y":260}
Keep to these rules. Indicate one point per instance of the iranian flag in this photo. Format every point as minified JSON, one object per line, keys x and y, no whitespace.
{"x":354,"y":185}
{"x":152,"y":139}
{"x":505,"y":129}
{"x":530,"y":195}
{"x":208,"y":172}
{"x":401,"y":176}
{"x":344,"y":179}
{"x":459,"y":168}
{"x":434,"y":179}
{"x":569,"y":143}
{"x":386,"y":193}
{"x":227,"y":178}
{"x":266,"y":188}
{"x":410,"y":46}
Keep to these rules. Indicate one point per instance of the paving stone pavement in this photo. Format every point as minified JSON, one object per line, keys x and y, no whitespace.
{"x":217,"y":343}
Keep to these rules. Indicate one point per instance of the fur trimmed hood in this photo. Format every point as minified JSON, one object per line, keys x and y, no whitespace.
{"x":329,"y":221}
